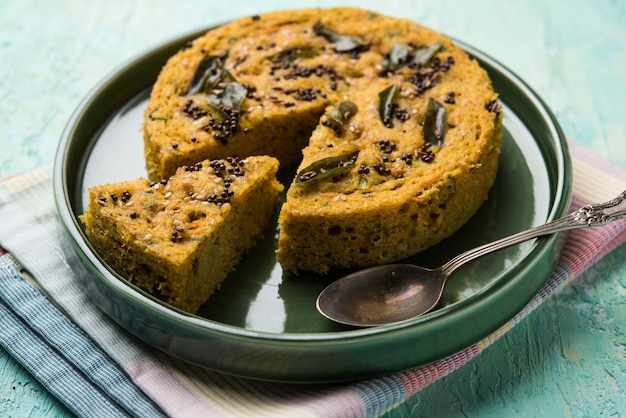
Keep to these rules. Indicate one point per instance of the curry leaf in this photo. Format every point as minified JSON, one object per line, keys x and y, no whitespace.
{"x":231,"y":96}
{"x":435,"y":123}
{"x":221,"y":88}
{"x":343,"y":43}
{"x":341,"y":113}
{"x":425,"y":54}
{"x":290,"y":55}
{"x":400,"y":55}
{"x":209,"y":73}
{"x":385,"y":105}
{"x":327,"y":167}
{"x":397,"y":56}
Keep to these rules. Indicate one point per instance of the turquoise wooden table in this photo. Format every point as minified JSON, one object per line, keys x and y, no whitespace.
{"x":568,"y":358}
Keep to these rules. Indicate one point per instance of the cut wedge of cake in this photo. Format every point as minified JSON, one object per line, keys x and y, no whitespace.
{"x":178,"y":239}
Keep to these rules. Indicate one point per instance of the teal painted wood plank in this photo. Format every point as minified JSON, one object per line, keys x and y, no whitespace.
{"x":23,"y":396}
{"x":568,"y":358}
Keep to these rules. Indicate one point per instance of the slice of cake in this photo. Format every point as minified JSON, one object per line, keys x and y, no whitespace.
{"x":178,"y":239}
{"x":366,"y":194}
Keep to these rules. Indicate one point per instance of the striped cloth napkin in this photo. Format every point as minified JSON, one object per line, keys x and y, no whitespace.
{"x":97,"y":369}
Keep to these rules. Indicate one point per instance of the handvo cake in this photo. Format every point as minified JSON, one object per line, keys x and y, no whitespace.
{"x":412,"y":121}
{"x":391,"y":131}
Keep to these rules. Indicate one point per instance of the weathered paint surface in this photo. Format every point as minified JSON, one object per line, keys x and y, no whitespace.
{"x":565,"y":359}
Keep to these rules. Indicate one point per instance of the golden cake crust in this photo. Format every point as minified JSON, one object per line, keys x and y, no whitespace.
{"x":398,"y":192}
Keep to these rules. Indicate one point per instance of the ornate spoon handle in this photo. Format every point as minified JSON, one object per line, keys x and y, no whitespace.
{"x":602,"y":213}
{"x":590,"y":215}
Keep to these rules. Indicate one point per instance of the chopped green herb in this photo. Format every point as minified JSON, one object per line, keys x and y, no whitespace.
{"x":327,"y":167}
{"x":343,"y":43}
{"x":152,"y":117}
{"x":385,"y":106}
{"x":435,"y":123}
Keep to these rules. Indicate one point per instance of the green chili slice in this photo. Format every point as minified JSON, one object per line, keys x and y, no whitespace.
{"x":364,"y":183}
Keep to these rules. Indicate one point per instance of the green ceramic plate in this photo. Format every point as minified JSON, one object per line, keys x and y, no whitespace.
{"x":262,"y":323}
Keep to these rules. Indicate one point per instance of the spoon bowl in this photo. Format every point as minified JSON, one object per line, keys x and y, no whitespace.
{"x":382,"y":295}
{"x":392,"y":293}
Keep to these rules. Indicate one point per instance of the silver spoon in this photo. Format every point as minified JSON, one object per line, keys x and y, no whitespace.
{"x":395,"y":292}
